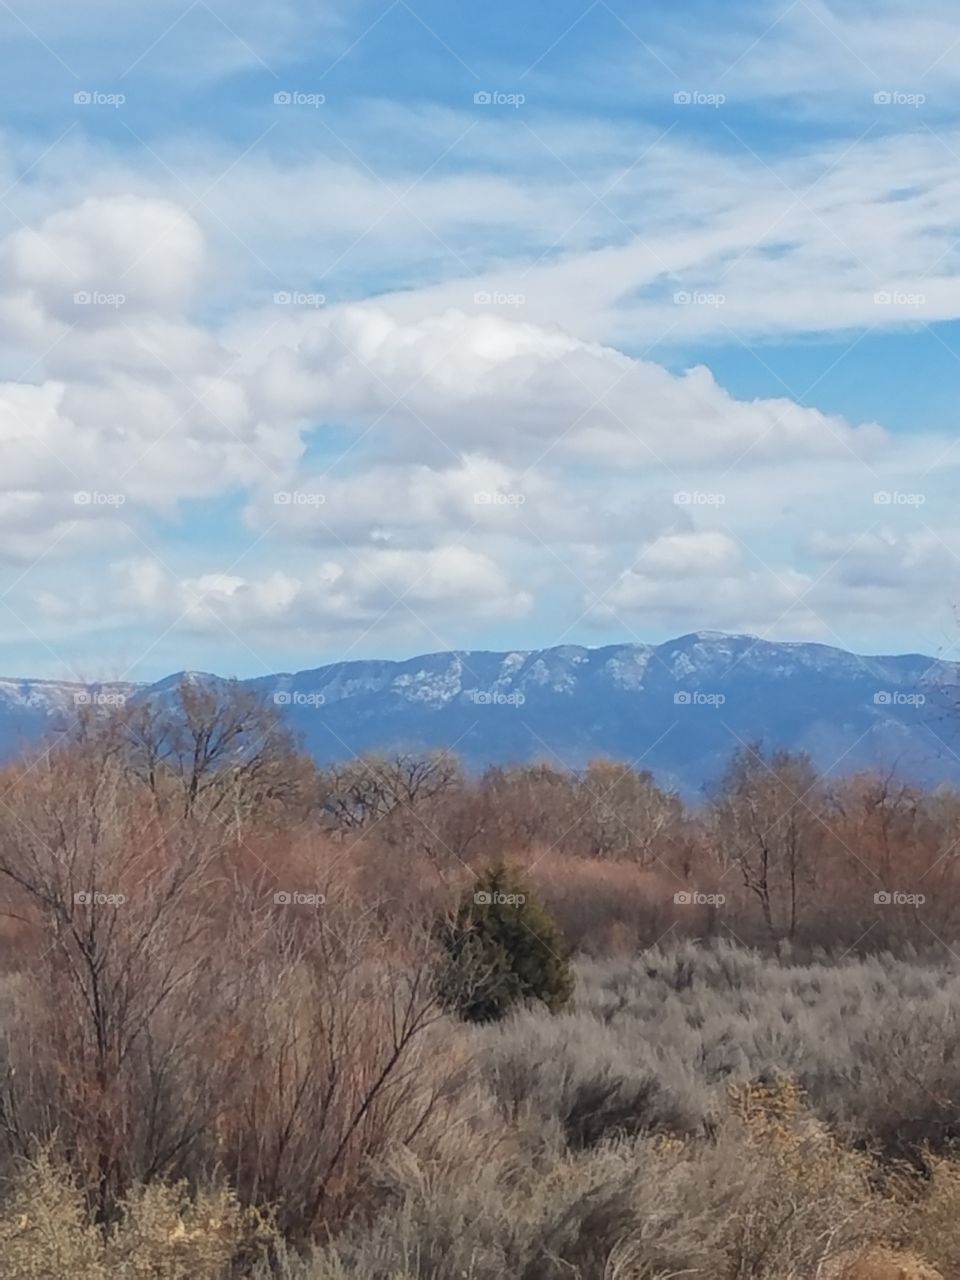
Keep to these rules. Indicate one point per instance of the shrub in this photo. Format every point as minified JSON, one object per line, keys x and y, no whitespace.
{"x":502,"y":947}
{"x":161,"y":1232}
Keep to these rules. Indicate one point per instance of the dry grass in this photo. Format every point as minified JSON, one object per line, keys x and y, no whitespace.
{"x":225,"y":1083}
{"x":766,"y":1191}
{"x":161,"y":1233}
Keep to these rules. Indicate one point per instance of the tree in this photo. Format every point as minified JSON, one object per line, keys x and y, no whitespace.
{"x":176,"y":1014}
{"x":365,"y":791}
{"x":502,"y":947}
{"x":766,"y":822}
{"x":123,"y":980}
{"x":625,"y":813}
{"x":215,"y":747}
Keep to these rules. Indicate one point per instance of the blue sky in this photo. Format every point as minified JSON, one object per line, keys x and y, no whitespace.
{"x":340,"y":330}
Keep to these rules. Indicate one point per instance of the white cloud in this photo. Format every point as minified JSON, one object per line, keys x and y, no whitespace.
{"x":453,"y":380}
{"x":403,"y":592}
{"x":492,"y":350}
{"x":146,"y":255}
{"x":732,"y":588}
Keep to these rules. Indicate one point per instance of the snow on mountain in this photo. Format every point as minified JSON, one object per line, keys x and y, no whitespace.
{"x":679,"y":708}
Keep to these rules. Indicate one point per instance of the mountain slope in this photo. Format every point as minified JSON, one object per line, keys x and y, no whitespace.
{"x":677,"y":708}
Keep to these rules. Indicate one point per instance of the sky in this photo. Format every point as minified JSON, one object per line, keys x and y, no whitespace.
{"x":334,"y":330}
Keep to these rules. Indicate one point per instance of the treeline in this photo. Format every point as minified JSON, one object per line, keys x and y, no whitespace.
{"x":775,"y":854}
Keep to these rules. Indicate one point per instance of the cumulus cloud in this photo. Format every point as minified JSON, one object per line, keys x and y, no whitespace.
{"x":404,"y":504}
{"x":454,"y":379}
{"x":484,"y":432}
{"x":731,"y":586}
{"x":883,"y":559}
{"x":414,"y":589}
{"x":81,"y":264}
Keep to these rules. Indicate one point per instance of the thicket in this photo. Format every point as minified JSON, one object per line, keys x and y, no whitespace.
{"x":260,"y":1019}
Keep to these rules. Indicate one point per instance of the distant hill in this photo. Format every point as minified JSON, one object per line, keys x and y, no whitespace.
{"x":677,"y":708}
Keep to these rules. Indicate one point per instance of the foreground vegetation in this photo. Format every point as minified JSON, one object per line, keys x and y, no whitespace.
{"x":386,"y":1021}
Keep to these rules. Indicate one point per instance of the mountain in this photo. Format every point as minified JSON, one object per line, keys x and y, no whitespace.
{"x":678,"y":708}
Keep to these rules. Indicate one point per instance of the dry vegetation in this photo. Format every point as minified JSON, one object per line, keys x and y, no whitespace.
{"x":225,"y":1048}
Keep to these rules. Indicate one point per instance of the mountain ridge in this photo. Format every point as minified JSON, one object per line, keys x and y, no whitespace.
{"x":679,"y":708}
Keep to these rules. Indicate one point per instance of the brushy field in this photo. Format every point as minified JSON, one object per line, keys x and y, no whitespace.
{"x":701,"y":1110}
{"x":387,"y":1022}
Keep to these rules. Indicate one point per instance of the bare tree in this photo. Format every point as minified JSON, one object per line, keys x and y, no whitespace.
{"x":370,"y":788}
{"x":215,"y":746}
{"x":766,"y":823}
{"x":336,"y":1067}
{"x":626,"y":813}
{"x":121,"y":972}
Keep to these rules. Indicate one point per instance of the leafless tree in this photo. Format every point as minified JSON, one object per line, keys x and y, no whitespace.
{"x":371,"y":787}
{"x":215,"y":746}
{"x":766,"y":823}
